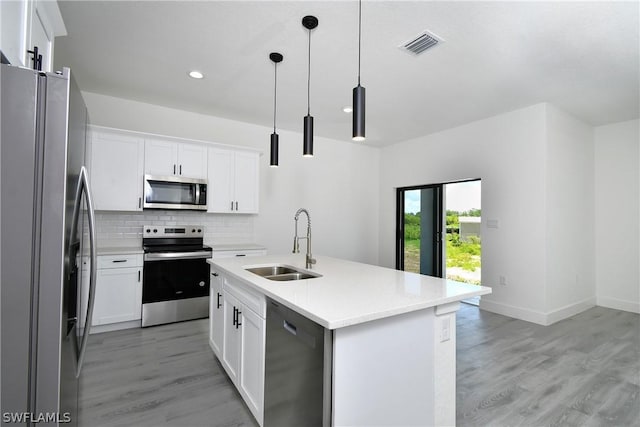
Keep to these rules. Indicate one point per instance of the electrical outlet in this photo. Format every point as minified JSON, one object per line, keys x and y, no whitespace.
{"x":503,"y":281}
{"x":445,"y":329}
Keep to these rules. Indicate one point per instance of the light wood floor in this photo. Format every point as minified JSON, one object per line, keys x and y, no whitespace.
{"x":159,"y":376}
{"x":584,"y":371}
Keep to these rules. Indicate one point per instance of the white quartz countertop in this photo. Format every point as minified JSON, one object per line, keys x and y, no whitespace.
{"x":119,"y":250}
{"x":237,"y":246}
{"x":348,"y":293}
{"x":115,"y":250}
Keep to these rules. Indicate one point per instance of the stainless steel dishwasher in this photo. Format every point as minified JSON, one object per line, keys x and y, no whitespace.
{"x":298,"y":361}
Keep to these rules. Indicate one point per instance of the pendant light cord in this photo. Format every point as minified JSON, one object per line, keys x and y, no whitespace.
{"x":359,"y":36}
{"x":275,"y":93}
{"x":309,"y":79}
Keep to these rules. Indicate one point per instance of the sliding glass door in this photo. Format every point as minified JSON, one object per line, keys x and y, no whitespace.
{"x":419,"y":230}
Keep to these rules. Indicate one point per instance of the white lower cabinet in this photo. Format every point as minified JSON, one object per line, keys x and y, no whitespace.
{"x":216,"y":314}
{"x":252,"y":355}
{"x":237,"y":336}
{"x":231,"y":346}
{"x":118,"y":296}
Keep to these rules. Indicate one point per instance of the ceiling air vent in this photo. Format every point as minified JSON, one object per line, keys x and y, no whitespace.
{"x":420,"y":43}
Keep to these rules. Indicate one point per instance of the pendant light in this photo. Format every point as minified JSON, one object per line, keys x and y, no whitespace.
{"x":358,"y":91}
{"x":309,"y":22}
{"x":275,"y":57}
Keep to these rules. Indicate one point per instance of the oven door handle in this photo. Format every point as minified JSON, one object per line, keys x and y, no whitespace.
{"x":164,"y":256}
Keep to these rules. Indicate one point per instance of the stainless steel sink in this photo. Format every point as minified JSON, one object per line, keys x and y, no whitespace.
{"x":282,"y":273}
{"x":271,"y":270}
{"x":292,"y":276}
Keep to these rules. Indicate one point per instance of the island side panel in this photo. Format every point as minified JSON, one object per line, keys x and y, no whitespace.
{"x":444,"y":364}
{"x":383,"y":372}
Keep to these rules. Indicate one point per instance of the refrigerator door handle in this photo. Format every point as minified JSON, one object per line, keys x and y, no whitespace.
{"x":83,"y":187}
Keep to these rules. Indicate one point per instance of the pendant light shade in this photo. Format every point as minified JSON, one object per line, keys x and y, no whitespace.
{"x":358,"y":113}
{"x":309,"y":22}
{"x":358,"y":133}
{"x":307,"y":148}
{"x":274,"y":150}
{"x":275,"y":57}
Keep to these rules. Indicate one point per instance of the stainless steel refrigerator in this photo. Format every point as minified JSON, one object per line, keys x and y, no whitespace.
{"x":46,"y":223}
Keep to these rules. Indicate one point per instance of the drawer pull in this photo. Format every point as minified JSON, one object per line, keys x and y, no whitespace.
{"x":119,"y":260}
{"x":241,"y":254}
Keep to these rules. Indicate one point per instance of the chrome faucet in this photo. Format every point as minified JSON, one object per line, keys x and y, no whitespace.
{"x":296,"y":246}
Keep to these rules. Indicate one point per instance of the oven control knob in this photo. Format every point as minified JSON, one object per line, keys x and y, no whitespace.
{"x":199,"y":230}
{"x":201,"y":283}
{"x":193,"y":230}
{"x":155,"y":230}
{"x":148,"y":230}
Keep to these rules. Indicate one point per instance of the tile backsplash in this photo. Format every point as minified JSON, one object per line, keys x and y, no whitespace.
{"x":125,"y":228}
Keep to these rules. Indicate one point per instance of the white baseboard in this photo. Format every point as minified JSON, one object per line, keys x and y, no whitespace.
{"x":512,"y":311}
{"x":116,"y":326}
{"x":538,"y":317}
{"x":618,"y":304}
{"x":570,"y":310}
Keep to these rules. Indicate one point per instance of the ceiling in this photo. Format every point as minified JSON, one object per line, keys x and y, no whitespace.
{"x":497,"y":56}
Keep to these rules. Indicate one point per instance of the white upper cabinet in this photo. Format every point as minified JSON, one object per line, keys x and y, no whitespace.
{"x":168,"y":158}
{"x":233,"y":181}
{"x":160,"y":157}
{"x":247,"y":181}
{"x":117,"y":171}
{"x":28,"y":23}
{"x":193,"y":160}
{"x":220,"y":181}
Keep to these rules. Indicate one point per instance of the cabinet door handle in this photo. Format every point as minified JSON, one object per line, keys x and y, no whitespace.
{"x":235,"y":311}
{"x":236,"y":205}
{"x":119,"y":260}
{"x":139,"y":202}
{"x":174,"y":169}
{"x":238,"y":324}
{"x":218,"y":300}
{"x":180,"y":169}
{"x":215,"y":274}
{"x":232,"y":205}
{"x":139,"y":276}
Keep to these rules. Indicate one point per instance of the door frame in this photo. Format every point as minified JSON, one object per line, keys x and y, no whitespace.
{"x":440,"y":202}
{"x":438,"y":216}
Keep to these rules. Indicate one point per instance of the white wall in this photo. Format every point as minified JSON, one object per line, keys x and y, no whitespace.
{"x":508,"y":153}
{"x":569,"y":210}
{"x":617,"y":215}
{"x":339,"y":185}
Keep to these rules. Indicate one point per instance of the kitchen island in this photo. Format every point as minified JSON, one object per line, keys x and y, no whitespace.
{"x":393,"y":340}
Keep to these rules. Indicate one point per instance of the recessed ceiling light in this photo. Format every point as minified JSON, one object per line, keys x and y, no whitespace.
{"x":347,"y":109}
{"x":196,"y":74}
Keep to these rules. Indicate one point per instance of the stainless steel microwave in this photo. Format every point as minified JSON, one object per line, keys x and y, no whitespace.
{"x":172,"y":192}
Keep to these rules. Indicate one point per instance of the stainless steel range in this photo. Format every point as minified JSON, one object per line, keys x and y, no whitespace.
{"x":176,"y":274}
